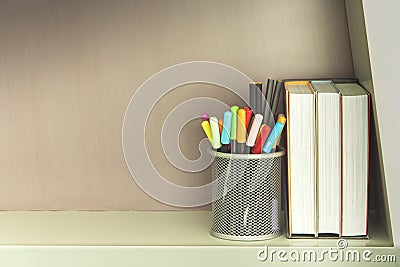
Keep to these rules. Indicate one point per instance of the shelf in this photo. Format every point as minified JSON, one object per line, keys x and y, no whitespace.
{"x":139,"y":228}
{"x":125,"y":237}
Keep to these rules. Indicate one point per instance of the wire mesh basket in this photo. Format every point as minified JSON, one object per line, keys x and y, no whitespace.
{"x":246,"y":195}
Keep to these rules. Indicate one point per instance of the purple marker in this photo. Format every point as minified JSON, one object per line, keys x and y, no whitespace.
{"x":205,"y":117}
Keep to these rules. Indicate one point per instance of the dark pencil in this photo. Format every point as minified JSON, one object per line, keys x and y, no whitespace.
{"x":269,"y":88}
{"x":277,"y":96}
{"x":256,"y":97}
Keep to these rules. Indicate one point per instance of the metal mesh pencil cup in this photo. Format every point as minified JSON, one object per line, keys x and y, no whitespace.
{"x":246,"y":195}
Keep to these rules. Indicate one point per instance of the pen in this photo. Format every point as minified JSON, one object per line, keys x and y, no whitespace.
{"x":275,"y":133}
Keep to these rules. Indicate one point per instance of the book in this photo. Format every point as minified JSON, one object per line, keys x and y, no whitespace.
{"x":328,"y":158}
{"x":355,"y":110}
{"x":300,"y":105}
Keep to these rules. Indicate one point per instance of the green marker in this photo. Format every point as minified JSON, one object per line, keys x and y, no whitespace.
{"x":234,"y":110}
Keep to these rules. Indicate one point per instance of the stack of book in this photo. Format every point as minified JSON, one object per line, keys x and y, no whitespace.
{"x":328,"y":156}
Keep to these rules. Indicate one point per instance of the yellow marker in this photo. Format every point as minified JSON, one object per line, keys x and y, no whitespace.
{"x":241,"y":126}
{"x":207,"y":129}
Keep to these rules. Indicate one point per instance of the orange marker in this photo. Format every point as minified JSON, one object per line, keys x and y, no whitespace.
{"x":220,"y":123}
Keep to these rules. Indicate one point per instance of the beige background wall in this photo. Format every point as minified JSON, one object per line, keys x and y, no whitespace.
{"x":69,"y":68}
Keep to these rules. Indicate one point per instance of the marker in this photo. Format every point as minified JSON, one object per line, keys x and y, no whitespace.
{"x":254,"y":130}
{"x":207,"y":130}
{"x":220,"y":126}
{"x":261,"y":138}
{"x":223,"y":147}
{"x":205,"y":117}
{"x":226,"y":129}
{"x":226,"y":132}
{"x":241,"y":131}
{"x":249,"y":114}
{"x":234,"y":110}
{"x":275,"y":133}
{"x":216,"y":143}
{"x":279,"y":137}
{"x":281,"y":115}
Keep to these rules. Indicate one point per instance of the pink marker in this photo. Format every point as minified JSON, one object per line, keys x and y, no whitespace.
{"x":205,"y":117}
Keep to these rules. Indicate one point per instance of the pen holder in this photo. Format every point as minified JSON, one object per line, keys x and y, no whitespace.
{"x":246,"y":195}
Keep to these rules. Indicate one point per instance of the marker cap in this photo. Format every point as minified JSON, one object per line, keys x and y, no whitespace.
{"x":281,"y":119}
{"x":249,"y":114}
{"x":216,"y":142}
{"x":205,"y":117}
{"x":207,"y":130}
{"x":254,"y":130}
{"x":226,"y":128}
{"x":241,"y":126}
{"x":234,"y":110}
{"x":261,"y":138}
{"x":220,"y":123}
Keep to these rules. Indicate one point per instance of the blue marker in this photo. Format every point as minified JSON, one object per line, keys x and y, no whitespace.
{"x":226,"y":128}
{"x":274,"y":135}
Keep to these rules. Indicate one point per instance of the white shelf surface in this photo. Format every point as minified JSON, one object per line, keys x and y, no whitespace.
{"x":151,"y":238}
{"x":138,"y":228}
